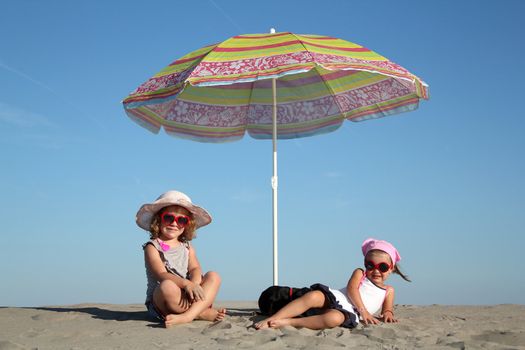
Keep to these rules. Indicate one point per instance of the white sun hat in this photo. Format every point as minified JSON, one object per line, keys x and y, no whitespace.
{"x":147,"y":211}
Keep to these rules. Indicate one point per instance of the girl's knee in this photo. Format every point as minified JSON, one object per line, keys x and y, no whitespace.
{"x":334,"y":318}
{"x":168,"y":287}
{"x":213,"y":277}
{"x":167,"y":284}
{"x":315,"y":298}
{"x":167,"y":296}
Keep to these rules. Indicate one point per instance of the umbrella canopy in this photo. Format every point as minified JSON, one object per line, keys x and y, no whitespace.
{"x":277,"y":85}
{"x":217,"y":93}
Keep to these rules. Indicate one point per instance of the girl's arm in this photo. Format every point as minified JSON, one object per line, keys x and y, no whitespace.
{"x":194,"y":267}
{"x":153,"y":260}
{"x":388,"y":306}
{"x":195,"y":290}
{"x":352,"y":290}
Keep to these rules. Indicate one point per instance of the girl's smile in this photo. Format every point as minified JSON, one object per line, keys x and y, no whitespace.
{"x":378,"y":267}
{"x":174,"y":220}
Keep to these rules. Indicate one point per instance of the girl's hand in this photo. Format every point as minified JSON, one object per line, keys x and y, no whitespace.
{"x":194,"y":291}
{"x":184,"y":302}
{"x":388,"y":316}
{"x":368,"y":318}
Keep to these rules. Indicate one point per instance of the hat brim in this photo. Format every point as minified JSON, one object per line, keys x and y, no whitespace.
{"x":147,"y":211}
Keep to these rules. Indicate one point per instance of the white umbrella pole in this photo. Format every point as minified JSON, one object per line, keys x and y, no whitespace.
{"x":274,"y":184}
{"x":274,"y":180}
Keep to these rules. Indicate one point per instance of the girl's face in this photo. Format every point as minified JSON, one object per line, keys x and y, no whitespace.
{"x":375,"y":266}
{"x":172,"y":222}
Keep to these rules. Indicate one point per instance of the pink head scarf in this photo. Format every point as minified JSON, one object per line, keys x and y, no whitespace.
{"x":372,"y":243}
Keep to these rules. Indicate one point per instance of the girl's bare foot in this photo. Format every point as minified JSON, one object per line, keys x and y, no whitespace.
{"x":207,"y":315}
{"x":212,"y":315}
{"x":263,"y":324}
{"x":174,"y":319}
{"x":221,"y":314}
{"x":280,"y":323}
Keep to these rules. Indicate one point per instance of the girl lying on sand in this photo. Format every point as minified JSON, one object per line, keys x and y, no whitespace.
{"x":365,"y":298}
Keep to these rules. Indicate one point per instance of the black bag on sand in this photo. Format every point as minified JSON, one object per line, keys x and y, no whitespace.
{"x":274,"y":298}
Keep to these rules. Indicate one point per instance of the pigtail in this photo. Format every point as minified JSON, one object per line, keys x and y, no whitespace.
{"x":398,"y":271}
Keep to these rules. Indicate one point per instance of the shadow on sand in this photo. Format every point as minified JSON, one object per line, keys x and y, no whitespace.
{"x":102,"y":314}
{"x":116,"y":315}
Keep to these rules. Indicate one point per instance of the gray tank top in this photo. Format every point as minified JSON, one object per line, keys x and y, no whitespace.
{"x":175,"y":260}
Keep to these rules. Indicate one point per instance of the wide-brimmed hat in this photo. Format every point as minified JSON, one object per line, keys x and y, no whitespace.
{"x":147,"y":211}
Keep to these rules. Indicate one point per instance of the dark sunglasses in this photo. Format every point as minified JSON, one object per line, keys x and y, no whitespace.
{"x":382,"y":266}
{"x":180,"y":219}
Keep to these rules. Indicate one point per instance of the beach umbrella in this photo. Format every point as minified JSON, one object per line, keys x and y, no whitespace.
{"x":272,"y":86}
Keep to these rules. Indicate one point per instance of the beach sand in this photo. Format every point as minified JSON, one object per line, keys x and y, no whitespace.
{"x":110,"y":326}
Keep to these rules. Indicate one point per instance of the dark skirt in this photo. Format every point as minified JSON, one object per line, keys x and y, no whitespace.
{"x":331,"y":303}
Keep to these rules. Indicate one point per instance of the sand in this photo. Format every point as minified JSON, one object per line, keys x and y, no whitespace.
{"x":110,"y":326}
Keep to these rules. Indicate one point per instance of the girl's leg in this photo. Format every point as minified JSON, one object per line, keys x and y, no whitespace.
{"x":210,"y":283}
{"x":330,"y":319}
{"x":168,"y":298}
{"x":313,"y":299}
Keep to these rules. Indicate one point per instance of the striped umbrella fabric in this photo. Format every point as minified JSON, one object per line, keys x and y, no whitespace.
{"x":220,"y":92}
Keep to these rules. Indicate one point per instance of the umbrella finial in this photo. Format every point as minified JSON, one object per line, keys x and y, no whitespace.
{"x":272,"y":30}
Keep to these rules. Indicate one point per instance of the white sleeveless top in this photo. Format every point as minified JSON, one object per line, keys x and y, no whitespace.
{"x":371,"y":295}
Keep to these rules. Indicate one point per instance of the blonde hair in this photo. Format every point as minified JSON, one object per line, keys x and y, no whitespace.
{"x":189,"y":231}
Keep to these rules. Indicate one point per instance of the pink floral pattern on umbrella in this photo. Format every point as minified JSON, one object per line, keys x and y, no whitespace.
{"x":222,"y":91}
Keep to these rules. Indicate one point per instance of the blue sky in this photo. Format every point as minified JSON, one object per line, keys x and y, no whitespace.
{"x":445,"y":184}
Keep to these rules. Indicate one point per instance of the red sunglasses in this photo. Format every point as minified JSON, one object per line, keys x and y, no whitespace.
{"x":170,"y":218}
{"x":382,"y":266}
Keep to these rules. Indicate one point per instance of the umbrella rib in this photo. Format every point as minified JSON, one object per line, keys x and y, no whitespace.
{"x":328,"y":87}
{"x":249,"y":104}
